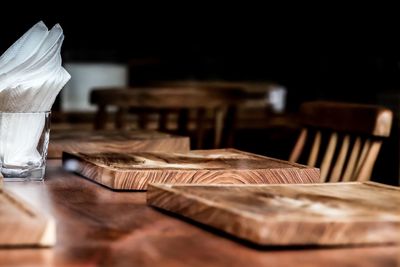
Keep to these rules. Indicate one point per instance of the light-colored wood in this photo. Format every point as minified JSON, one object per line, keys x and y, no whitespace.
{"x":294,"y":156}
{"x":327,"y":160}
{"x":114,"y":141}
{"x":338,"y":168}
{"x":21,"y":225}
{"x":98,"y":227}
{"x":311,"y":214}
{"x":367,"y":123}
{"x":312,"y":160}
{"x":369,"y":161}
{"x":361,"y":160}
{"x":351,"y":165}
{"x":133,"y":171}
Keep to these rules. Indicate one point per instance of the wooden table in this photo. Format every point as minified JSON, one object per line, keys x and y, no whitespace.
{"x":100,"y":227}
{"x":74,"y":140}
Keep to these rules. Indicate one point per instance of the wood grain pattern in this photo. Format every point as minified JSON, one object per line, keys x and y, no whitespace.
{"x":114,"y":141}
{"x":21,"y":225}
{"x":311,"y":214}
{"x":97,"y":227}
{"x":133,"y":171}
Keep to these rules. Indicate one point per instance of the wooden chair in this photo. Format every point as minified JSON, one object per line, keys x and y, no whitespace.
{"x":165,"y":100}
{"x":342,"y":139}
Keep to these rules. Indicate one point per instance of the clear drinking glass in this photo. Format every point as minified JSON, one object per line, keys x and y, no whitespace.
{"x":24,"y":139}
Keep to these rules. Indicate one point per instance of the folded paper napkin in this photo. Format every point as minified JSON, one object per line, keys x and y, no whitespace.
{"x":31,"y":76}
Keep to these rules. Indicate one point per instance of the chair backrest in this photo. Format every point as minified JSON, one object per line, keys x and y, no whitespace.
{"x":165,"y":100}
{"x":342,"y":139}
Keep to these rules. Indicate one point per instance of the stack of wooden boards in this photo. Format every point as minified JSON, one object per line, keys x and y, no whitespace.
{"x":262,"y":200}
{"x":21,"y":225}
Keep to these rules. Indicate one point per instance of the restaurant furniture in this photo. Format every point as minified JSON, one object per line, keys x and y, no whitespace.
{"x":101,"y":227}
{"x":75,"y":140}
{"x":342,"y":139}
{"x":164,"y":101}
{"x":134,"y":171}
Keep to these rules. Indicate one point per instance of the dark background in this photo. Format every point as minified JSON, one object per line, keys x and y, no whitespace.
{"x":314,"y":57}
{"x":329,"y":55}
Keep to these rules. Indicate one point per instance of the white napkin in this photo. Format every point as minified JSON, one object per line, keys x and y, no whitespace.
{"x":24,"y":47}
{"x":31,"y":76}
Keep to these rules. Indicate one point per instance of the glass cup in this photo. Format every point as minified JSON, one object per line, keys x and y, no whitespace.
{"x":24,"y":139}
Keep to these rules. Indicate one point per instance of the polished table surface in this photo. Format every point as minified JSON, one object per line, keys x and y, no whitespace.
{"x":100,"y":227}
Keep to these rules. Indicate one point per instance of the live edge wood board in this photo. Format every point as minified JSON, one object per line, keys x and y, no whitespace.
{"x":21,"y":225}
{"x":309,"y":214}
{"x":114,"y":141}
{"x":133,"y":171}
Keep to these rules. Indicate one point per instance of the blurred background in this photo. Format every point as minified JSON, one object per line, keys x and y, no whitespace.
{"x":282,"y":62}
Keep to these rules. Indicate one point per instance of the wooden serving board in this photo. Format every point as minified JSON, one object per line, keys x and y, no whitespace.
{"x":295,"y":214}
{"x":114,"y":141}
{"x":133,"y":171}
{"x":21,"y":225}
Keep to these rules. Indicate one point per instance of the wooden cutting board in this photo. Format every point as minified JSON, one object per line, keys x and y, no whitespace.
{"x":114,"y":141}
{"x":21,"y":225}
{"x":133,"y":171}
{"x":308,"y":214}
